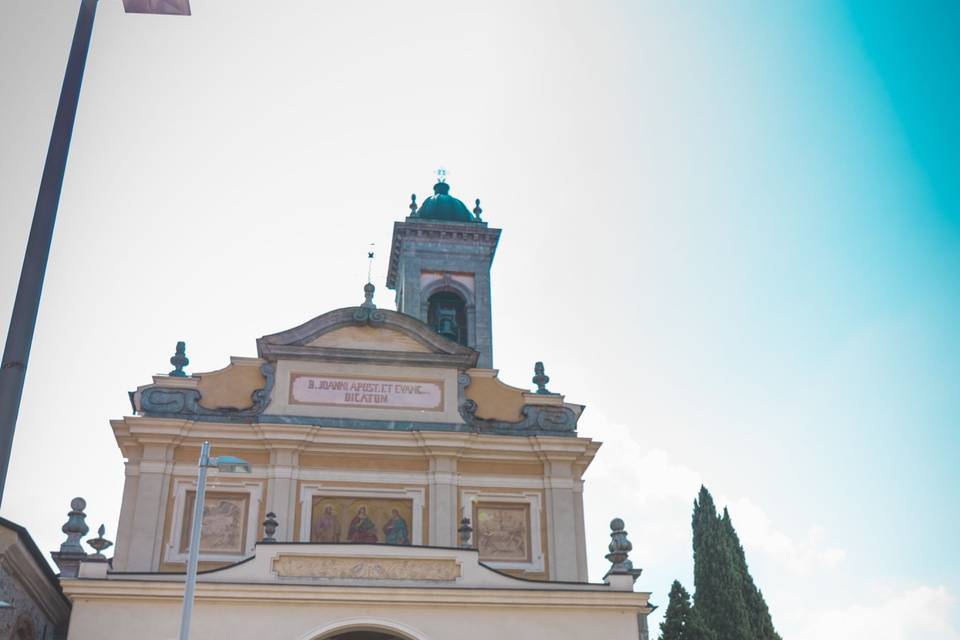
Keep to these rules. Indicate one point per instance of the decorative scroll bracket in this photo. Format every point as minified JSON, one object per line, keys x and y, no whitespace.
{"x":173,"y":401}
{"x":552,"y":419}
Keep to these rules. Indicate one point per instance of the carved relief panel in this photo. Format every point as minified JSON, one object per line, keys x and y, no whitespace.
{"x":230,"y":521}
{"x":502,"y":531}
{"x":224,"y":522}
{"x":507,"y":527}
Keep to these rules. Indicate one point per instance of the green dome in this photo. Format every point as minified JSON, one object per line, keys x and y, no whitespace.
{"x":442,"y":206}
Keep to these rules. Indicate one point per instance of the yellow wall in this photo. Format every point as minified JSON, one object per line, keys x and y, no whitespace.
{"x":376,"y":338}
{"x":231,"y":387}
{"x":495,"y":400}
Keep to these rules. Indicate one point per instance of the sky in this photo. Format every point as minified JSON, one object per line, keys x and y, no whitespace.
{"x":732,"y":230}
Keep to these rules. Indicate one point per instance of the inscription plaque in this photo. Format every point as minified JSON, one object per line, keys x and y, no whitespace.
{"x":377,"y":393}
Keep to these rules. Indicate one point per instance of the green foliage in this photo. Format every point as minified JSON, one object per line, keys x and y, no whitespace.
{"x":695,"y":629}
{"x":727,"y":604}
{"x":677,"y":614}
{"x":680,"y":622}
{"x":761,"y":625}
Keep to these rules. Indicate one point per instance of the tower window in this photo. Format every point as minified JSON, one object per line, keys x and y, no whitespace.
{"x":446,"y":314}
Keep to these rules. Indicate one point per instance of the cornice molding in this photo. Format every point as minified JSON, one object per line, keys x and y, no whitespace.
{"x":138,"y":431}
{"x":466,"y":234}
{"x":591,"y":597}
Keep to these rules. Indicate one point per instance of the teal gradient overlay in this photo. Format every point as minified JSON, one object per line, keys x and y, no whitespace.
{"x":914,"y":50}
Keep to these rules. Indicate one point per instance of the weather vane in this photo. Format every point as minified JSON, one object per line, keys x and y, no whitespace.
{"x":441,"y":175}
{"x":370,"y":263}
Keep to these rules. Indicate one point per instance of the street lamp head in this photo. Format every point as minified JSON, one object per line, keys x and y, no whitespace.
{"x":166,"y":7}
{"x":230,"y":464}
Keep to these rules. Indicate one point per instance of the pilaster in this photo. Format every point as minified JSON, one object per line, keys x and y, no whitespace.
{"x":483,"y":322}
{"x":581,"y":542}
{"x":442,"y":479}
{"x":131,"y":482}
{"x":282,"y":490}
{"x":145,"y":533}
{"x":562,"y":522}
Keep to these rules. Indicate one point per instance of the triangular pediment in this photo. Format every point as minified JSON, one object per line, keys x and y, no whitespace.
{"x":367,"y":337}
{"x":366,"y":334}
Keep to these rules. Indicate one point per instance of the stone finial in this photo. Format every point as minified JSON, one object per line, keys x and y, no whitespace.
{"x":413,"y":204}
{"x":477,"y":210}
{"x":368,"y":290}
{"x":179,"y":361}
{"x":270,"y":527}
{"x":75,"y":527}
{"x":540,"y":378}
{"x":71,"y":552}
{"x":367,"y":312}
{"x":620,"y":549}
{"x":465,"y":533}
{"x":99,"y":543}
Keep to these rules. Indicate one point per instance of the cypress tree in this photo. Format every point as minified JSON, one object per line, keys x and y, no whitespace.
{"x":719,"y":602}
{"x":761,"y":625}
{"x":678,"y":611}
{"x":694,"y":629}
{"x":680,"y":622}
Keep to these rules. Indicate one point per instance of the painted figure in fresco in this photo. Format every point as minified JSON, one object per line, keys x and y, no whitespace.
{"x":362,"y":528}
{"x":396,"y":530}
{"x":327,"y":526}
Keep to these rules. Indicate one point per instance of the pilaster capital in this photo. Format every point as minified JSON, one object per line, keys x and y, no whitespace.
{"x":441,"y":445}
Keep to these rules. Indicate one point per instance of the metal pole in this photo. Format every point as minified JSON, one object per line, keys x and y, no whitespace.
{"x":16,"y":352}
{"x":194,"y":556}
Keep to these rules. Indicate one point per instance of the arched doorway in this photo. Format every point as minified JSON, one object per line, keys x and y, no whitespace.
{"x":364,"y":635}
{"x":363,"y":628}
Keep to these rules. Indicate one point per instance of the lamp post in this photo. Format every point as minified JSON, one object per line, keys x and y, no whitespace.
{"x":23,"y":320}
{"x":227,"y":464}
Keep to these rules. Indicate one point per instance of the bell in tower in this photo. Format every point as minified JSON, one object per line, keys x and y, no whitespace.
{"x":446,"y":313}
{"x":447,"y":324}
{"x":440,"y":268}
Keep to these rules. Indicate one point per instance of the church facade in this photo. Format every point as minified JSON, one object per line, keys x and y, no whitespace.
{"x":397,"y":487}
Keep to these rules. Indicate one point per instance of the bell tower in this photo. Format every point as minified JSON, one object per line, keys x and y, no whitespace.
{"x":440,"y":268}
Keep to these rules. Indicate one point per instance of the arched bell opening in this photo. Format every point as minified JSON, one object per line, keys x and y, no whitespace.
{"x":447,"y":315}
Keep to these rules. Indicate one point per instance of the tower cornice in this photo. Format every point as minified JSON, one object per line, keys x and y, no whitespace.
{"x":450,"y":233}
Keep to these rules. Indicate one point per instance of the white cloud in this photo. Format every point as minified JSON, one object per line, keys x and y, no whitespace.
{"x":660,"y":492}
{"x":801,"y":555}
{"x":654,"y":494}
{"x":921,"y":612}
{"x":650,"y":474}
{"x":801,"y":570}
